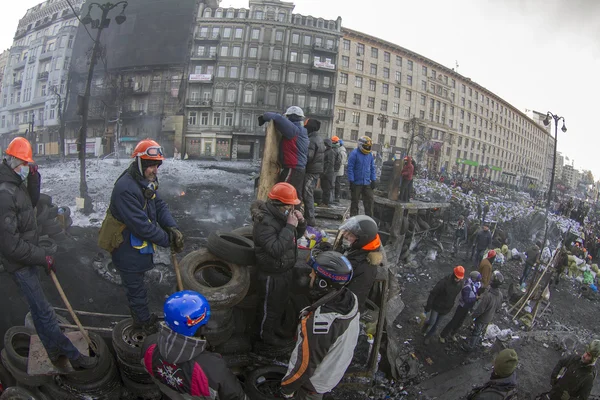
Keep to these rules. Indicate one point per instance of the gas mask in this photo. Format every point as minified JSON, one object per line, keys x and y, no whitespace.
{"x":150,"y":190}
{"x":24,"y":171}
{"x":318,"y":289}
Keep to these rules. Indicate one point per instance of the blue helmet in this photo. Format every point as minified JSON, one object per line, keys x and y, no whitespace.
{"x":341,"y":142}
{"x":186,"y":311}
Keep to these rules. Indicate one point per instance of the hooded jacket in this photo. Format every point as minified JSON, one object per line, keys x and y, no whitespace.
{"x":316,"y":149}
{"x":183,"y":370}
{"x":488,"y":304}
{"x":274,"y":239}
{"x":577,"y":380}
{"x":146,"y":219}
{"x":485,"y":269}
{"x":325,"y":346}
{"x":364,"y":266}
{"x":343,"y":160}
{"x":468,"y":294}
{"x":442,"y":296}
{"x":361,"y":168}
{"x":408,"y":169}
{"x":483,"y":240}
{"x":293,"y":151}
{"x":496,"y":389}
{"x":329,"y":158}
{"x":18,"y":225}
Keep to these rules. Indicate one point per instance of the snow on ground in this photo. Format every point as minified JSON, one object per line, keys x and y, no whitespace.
{"x":61,"y":181}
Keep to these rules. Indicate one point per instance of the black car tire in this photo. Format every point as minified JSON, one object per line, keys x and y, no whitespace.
{"x":17,"y":393}
{"x":269,"y":378}
{"x":237,"y":360}
{"x":60,"y":236}
{"x":41,"y":213}
{"x":272,"y":351}
{"x":237,"y":344}
{"x":16,"y":344}
{"x":219,"y":297}
{"x":107,"y":383}
{"x":219,"y":330}
{"x":49,"y":245}
{"x":52,"y":211}
{"x":20,"y":375}
{"x":51,"y":228}
{"x":105,"y":364}
{"x":136,"y":373}
{"x":141,"y":391}
{"x":128,"y":341}
{"x":6,"y":378}
{"x":232,"y":248}
{"x":245,"y":231}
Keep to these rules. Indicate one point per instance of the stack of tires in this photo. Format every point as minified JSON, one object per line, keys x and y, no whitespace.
{"x":127,"y":343}
{"x":52,"y":221}
{"x":387,"y":171}
{"x":222,"y":273}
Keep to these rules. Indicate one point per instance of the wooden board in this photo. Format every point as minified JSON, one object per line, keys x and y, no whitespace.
{"x":332,"y":212}
{"x":394,"y":187}
{"x":39,"y":363}
{"x":269,"y":169}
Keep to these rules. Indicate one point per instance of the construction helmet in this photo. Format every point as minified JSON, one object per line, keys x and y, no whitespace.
{"x":475,"y":276}
{"x":294,"y":110}
{"x":335,"y":139}
{"x":20,"y":148}
{"x":459,"y":272}
{"x":497,"y":279}
{"x":333,"y":270}
{"x":365,"y":229}
{"x":186,"y":311}
{"x":148,"y":149}
{"x":364,"y":144}
{"x":284,"y":193}
{"x":593,"y":349}
{"x":491,"y":254}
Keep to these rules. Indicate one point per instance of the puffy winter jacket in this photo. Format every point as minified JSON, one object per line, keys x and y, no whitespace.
{"x":146,"y":219}
{"x":442,"y":296}
{"x":326,"y":340}
{"x":293,"y":152}
{"x":577,"y":380}
{"x":483,"y":239}
{"x":485,"y":269}
{"x":18,"y":225}
{"x":488,"y":304}
{"x":274,"y":239}
{"x":361,"y":168}
{"x":496,"y":389}
{"x":408,"y":170}
{"x":316,"y":150}
{"x":364,"y":266}
{"x":343,"y":160}
{"x":183,"y":370}
{"x":468,"y":294}
{"x":329,"y":158}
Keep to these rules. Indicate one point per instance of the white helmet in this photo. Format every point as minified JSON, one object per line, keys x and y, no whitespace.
{"x":295,"y":110}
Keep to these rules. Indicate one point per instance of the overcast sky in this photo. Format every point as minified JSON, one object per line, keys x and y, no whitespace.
{"x":535,"y":54}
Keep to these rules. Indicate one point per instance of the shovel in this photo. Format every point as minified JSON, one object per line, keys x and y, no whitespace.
{"x":73,"y":315}
{"x":177,"y":272}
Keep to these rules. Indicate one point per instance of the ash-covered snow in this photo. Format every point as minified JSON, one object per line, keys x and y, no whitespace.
{"x":61,"y":181}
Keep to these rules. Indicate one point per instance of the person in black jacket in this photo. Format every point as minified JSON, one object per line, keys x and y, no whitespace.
{"x":503,"y":382}
{"x":441,"y":300}
{"x":147,"y":222}
{"x":179,"y":363}
{"x":328,"y":174}
{"x":314,"y":168}
{"x":277,"y":226}
{"x":362,"y":247}
{"x":20,"y":253}
{"x":483,"y":240}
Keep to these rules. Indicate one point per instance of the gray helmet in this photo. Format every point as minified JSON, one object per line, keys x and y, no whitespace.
{"x":497,"y":279}
{"x":294,"y":110}
{"x":363,"y":227}
{"x":475,"y":276}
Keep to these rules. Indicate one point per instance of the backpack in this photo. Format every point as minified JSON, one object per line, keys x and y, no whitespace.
{"x":490,"y":391}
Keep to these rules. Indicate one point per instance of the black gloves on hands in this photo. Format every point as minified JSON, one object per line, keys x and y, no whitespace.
{"x":175,"y":239}
{"x":33,"y":169}
{"x":261,"y":120}
{"x":50,"y":266}
{"x":373,"y":185}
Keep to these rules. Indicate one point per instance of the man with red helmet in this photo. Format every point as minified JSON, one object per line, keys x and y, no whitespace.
{"x":485,"y":268}
{"x":277,"y":226}
{"x":20,"y":253}
{"x":145,"y":222}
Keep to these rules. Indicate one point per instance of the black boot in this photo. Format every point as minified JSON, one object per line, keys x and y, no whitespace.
{"x":151,"y":326}
{"x":84,"y":362}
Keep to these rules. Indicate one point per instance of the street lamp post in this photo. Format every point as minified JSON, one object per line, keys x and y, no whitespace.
{"x":61,"y":129}
{"x":98,"y":24}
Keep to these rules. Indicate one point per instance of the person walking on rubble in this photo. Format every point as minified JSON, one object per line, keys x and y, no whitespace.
{"x":441,"y":300}
{"x":485,"y":268}
{"x":21,"y":254}
{"x":407,"y":176}
{"x":468,"y":297}
{"x":327,"y":332}
{"x":179,"y":362}
{"x":533,"y":258}
{"x":293,"y":151}
{"x":277,"y":227}
{"x":314,"y":168}
{"x":484,"y":311}
{"x":362,"y":176}
{"x":138,"y":220}
{"x":503,"y":382}
{"x":573,"y":377}
{"x":342,"y":158}
{"x":483,"y":240}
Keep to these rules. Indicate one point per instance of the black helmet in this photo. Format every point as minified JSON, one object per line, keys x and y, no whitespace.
{"x":363,"y":227}
{"x":333,"y":270}
{"x":497,"y":279}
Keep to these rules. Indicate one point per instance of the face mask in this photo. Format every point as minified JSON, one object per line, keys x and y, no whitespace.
{"x":24,"y":172}
{"x":346,"y":243}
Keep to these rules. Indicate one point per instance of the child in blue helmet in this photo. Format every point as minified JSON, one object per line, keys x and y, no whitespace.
{"x":178,"y":361}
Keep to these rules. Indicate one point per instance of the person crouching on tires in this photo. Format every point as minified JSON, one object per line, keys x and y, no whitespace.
{"x":179,"y":363}
{"x":327,"y":332}
{"x":277,"y":226}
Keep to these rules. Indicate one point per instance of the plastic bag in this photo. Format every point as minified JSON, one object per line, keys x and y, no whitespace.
{"x":431,"y":254}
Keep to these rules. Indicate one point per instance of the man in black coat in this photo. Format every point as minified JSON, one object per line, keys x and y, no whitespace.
{"x":277,"y":226}
{"x":328,"y":174}
{"x":483,"y":240}
{"x":441,"y":300}
{"x":20,"y":253}
{"x":314,"y":168}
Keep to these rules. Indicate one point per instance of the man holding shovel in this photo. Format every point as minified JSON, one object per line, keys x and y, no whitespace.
{"x":20,"y":253}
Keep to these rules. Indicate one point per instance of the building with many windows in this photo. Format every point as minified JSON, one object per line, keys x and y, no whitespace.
{"x":409,"y":103}
{"x":248,"y":61}
{"x":36,"y":74}
{"x":3,"y":61}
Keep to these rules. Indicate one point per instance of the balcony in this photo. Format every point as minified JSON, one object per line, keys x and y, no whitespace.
{"x":43,"y":75}
{"x":45,"y":55}
{"x":32,"y":59}
{"x":207,"y":38}
{"x":321,"y":88}
{"x":200,"y":103}
{"x":325,"y":48}
{"x":18,"y":83}
{"x":20,"y":64}
{"x":201,"y":78}
{"x":204,"y":57}
{"x":320,"y":112}
{"x":323,"y":66}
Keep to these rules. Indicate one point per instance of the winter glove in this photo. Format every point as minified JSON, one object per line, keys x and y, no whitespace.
{"x":373,"y":185}
{"x":50,"y":267}
{"x":33,"y":169}
{"x":175,"y":239}
{"x":261,"y":120}
{"x":292,"y":219}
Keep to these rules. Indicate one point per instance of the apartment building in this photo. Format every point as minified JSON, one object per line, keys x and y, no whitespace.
{"x":3,"y":61}
{"x":404,"y":100}
{"x":248,"y":61}
{"x":35,"y":75}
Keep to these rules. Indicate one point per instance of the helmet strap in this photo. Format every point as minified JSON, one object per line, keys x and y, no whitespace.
{"x":139,"y":162}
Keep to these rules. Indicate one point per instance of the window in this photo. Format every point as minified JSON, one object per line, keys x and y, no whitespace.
{"x":277,"y":54}
{"x":373,"y":69}
{"x":3,"y":122}
{"x":384,"y":105}
{"x":305,"y":58}
{"x":408,"y":95}
{"x":231,"y":95}
{"x":370,"y":119}
{"x":407,"y":112}
{"x":303,"y":79}
{"x":192,"y":117}
{"x":397,"y":92}
{"x":381,"y":138}
{"x":307,"y":40}
{"x":255,"y":34}
{"x":229,"y":13}
{"x":358,"y":82}
{"x":354,"y":134}
{"x":258,"y":14}
{"x":393,"y":141}
{"x":216,"y":119}
{"x":359,"y":65}
{"x":386,"y":73}
{"x":355,"y":117}
{"x":248,"y":94}
{"x":218,"y":96}
{"x":345,"y":61}
{"x":279,"y":36}
{"x":396,"y":108}
{"x":409,"y":80}
{"x":399,"y":61}
{"x":224,"y":51}
{"x":291,"y":77}
{"x":293,"y":56}
{"x":341,"y":115}
{"x":339,"y":132}
{"x":386,"y":56}
{"x":374,"y":52}
{"x":219,"y":13}
{"x":409,"y":65}
{"x":372,"y":85}
{"x":236,"y":51}
{"x":343,"y":78}
{"x":43,"y":91}
{"x":221,"y":71}
{"x":398,"y":76}
{"x":70,"y":42}
{"x":233,"y":72}
{"x":228,"y":119}
{"x":281,"y":17}
{"x":342,"y":96}
{"x":385,"y":88}
{"x":371,"y":102}
{"x":295,"y":38}
{"x":357,"y":100}
{"x":239,"y":33}
{"x":423,"y":100}
{"x":251,"y":73}
{"x":346,"y":44}
{"x":360,"y":49}
{"x":227,"y":33}
{"x":424,"y":72}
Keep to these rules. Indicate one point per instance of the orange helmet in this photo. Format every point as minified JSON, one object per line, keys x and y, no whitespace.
{"x":285,"y":193}
{"x":491,"y":254}
{"x":459,"y":272}
{"x":335,"y":139}
{"x":148,"y":149}
{"x":20,"y":148}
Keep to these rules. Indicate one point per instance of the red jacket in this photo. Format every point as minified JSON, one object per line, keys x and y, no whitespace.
{"x":408,"y":169}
